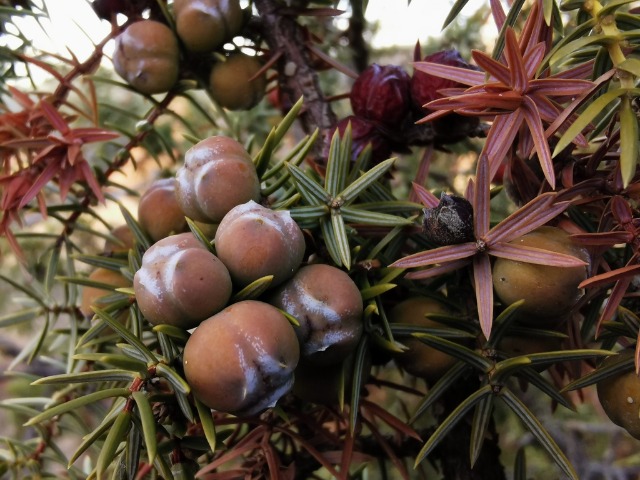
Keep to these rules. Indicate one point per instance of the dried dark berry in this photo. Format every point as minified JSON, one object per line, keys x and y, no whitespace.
{"x":450,"y":222}
{"x":381,"y":94}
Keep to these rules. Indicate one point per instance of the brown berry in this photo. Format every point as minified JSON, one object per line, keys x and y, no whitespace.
{"x":328,"y":305}
{"x":254,"y":241}
{"x":204,"y":25}
{"x":147,"y":56}
{"x":181,"y":282}
{"x":217,"y":175}
{"x":242,"y":360}
{"x":159,"y":212}
{"x":232,"y":84}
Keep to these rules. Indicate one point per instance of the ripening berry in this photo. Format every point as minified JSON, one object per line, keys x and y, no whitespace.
{"x":548,"y":292}
{"x":619,"y":395}
{"x":420,"y":359}
{"x":92,"y":296}
{"x":122,"y":242}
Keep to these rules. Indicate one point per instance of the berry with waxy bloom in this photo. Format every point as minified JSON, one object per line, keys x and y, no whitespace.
{"x":328,"y":305}
{"x":180,"y":282}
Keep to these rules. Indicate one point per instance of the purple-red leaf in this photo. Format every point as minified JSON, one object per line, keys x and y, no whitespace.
{"x":533,"y":58}
{"x":461,"y":75}
{"x":54,"y":117}
{"x":539,"y":256}
{"x":484,"y":292}
{"x":527,"y":218}
{"x":532,"y":117}
{"x":503,"y":101}
{"x":610,"y":277}
{"x":559,"y":87}
{"x":603,"y":238}
{"x":437,"y":270}
{"x":496,"y":69}
{"x":444,"y":254}
{"x":500,"y":138}
{"x":515,"y":62}
{"x":482,"y":197}
{"x":425,"y":197}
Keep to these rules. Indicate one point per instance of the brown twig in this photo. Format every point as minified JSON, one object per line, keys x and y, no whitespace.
{"x":296,"y":76}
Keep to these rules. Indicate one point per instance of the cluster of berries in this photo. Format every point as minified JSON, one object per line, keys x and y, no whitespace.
{"x":243,"y":353}
{"x":152,"y":54}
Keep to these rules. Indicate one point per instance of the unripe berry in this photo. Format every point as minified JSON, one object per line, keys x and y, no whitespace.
{"x":217,"y":175}
{"x":204,"y":25}
{"x":159,"y":212}
{"x":420,"y":359}
{"x":548,"y":292}
{"x":147,"y":56}
{"x":254,"y":241}
{"x":180,"y":282}
{"x":242,"y":360}
{"x":232,"y":83}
